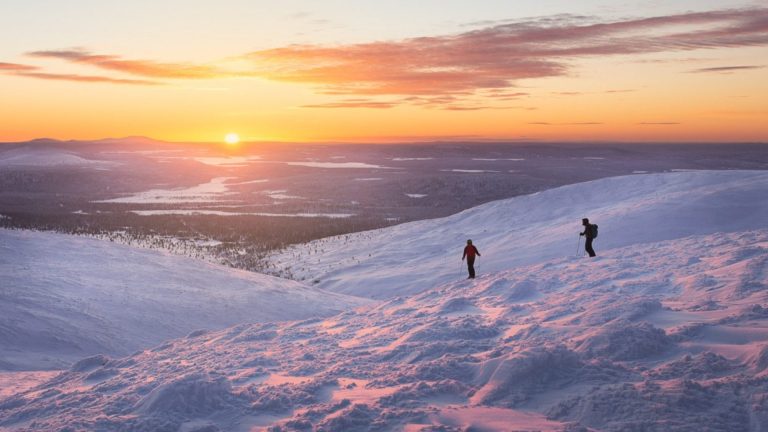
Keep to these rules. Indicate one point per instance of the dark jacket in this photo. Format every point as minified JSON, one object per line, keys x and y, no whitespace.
{"x":588,"y":231}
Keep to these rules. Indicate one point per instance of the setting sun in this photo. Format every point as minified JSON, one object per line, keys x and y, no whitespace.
{"x":231,"y":138}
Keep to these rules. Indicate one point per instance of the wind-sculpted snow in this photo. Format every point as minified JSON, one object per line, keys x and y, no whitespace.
{"x":635,"y":209}
{"x":617,"y":343}
{"x":66,"y":297}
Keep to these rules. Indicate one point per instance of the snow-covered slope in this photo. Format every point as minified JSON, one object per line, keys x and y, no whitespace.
{"x":629,"y":210}
{"x":668,"y":336}
{"x":64,"y":297}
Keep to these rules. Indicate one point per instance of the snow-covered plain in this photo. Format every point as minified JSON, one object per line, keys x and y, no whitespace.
{"x":230,"y":161}
{"x":63,"y":298}
{"x":338,"y":165}
{"x":226,"y":213}
{"x":412,"y":257}
{"x":666,"y":330}
{"x":202,"y":193}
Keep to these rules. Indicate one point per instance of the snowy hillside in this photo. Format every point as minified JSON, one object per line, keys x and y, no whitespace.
{"x":63,"y":298}
{"x":666,"y":336}
{"x":29,"y":156}
{"x":629,"y":210}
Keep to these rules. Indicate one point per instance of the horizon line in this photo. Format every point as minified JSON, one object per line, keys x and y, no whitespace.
{"x":393,"y":141}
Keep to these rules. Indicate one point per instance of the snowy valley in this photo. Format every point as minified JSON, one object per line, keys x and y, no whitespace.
{"x":666,"y":330}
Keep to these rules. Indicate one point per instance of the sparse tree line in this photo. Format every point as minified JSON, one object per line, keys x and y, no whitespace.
{"x":242,"y":242}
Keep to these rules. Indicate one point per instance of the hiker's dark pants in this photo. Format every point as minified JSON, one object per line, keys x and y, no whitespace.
{"x":471,"y":266}
{"x":588,"y":247}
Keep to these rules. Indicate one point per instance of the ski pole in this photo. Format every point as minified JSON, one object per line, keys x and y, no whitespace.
{"x":578,"y":244}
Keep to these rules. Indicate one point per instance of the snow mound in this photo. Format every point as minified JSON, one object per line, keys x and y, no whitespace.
{"x":525,"y":230}
{"x":612,"y":344}
{"x":191,"y":395}
{"x":626,"y":341}
{"x":34,"y":156}
{"x":678,"y":406}
{"x":66,"y":297}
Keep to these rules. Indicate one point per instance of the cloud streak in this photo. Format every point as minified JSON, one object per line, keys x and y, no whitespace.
{"x":143,"y":68}
{"x":566,"y":124}
{"x":34,"y":72}
{"x":85,"y":78}
{"x":480,"y":66}
{"x":15,"y":67}
{"x":496,"y":57}
{"x":354,"y":103}
{"x":725,"y":69}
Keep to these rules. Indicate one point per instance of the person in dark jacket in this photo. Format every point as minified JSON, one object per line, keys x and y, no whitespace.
{"x":470,"y":251}
{"x":589,"y":235}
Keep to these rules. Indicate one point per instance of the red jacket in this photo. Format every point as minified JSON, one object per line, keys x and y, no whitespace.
{"x":470,"y":251}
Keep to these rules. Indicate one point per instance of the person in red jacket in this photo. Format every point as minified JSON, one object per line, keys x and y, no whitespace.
{"x":470,"y":251}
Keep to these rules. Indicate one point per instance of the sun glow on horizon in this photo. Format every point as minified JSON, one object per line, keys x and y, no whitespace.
{"x":484,"y":70}
{"x":231,"y":138}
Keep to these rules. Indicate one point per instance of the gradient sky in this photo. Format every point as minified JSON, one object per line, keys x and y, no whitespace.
{"x":192,"y":70}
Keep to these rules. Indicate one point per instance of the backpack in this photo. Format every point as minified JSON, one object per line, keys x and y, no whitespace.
{"x":593,"y":230}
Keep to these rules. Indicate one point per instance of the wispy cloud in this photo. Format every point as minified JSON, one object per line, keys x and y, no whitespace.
{"x":725,"y":69}
{"x":448,"y":103}
{"x":15,"y":67}
{"x":85,"y":78}
{"x":496,"y":57}
{"x":566,"y":124}
{"x":503,"y":94}
{"x":143,"y":68}
{"x":579,"y":93}
{"x":34,"y":72}
{"x":353,"y":103}
{"x":461,"y":71}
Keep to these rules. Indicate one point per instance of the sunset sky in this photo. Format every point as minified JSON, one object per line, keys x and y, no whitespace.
{"x":365,"y":71}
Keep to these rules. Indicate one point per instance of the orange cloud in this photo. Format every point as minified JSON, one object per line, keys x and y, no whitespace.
{"x":440,"y":71}
{"x":566,"y":124}
{"x":85,"y":78}
{"x":33,"y":72}
{"x":144,"y":68}
{"x":15,"y":67}
{"x":353,"y":103}
{"x":495,"y":57}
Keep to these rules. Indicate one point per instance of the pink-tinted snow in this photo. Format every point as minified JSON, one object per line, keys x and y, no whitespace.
{"x":667,"y":330}
{"x":650,"y":337}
